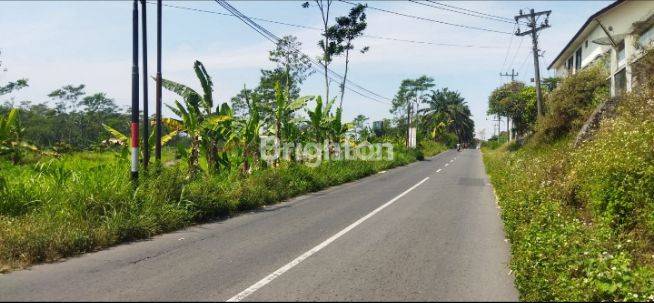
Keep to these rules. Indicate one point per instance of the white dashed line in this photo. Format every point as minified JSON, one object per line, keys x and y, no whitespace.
{"x":439,"y":170}
{"x":250,"y":290}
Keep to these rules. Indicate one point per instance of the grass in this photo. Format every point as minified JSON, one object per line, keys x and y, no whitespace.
{"x":59,"y":207}
{"x":581,"y":221}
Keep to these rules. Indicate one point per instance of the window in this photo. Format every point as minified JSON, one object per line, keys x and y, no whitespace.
{"x":621,"y":54}
{"x":578,"y":59}
{"x":646,"y":38}
{"x":620,"y":81}
{"x":569,"y":64}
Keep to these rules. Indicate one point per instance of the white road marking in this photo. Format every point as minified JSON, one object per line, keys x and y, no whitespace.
{"x":451,"y":160}
{"x":447,"y":164}
{"x":250,"y":290}
{"x":382,"y":172}
{"x":439,"y":170}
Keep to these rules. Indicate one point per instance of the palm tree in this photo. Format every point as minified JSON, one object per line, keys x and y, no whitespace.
{"x":448,"y":107}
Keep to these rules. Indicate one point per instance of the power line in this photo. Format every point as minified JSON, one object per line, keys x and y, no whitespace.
{"x":462,"y":12}
{"x":273,"y":38}
{"x":508,"y":50}
{"x":473,"y":11}
{"x":516,"y":51}
{"x":431,"y":20}
{"x":318,"y":29}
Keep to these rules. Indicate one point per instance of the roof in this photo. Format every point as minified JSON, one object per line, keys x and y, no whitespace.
{"x":581,"y":30}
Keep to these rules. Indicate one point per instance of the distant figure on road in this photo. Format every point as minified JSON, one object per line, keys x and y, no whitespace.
{"x":458,"y":147}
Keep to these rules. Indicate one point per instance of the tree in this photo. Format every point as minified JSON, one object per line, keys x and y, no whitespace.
{"x":67,"y":97}
{"x":516,"y":101}
{"x":99,"y":103}
{"x":283,"y":113}
{"x":291,"y":63}
{"x":359,"y":125}
{"x":327,"y":45}
{"x":411,"y":92}
{"x":319,"y":119}
{"x":11,"y":139}
{"x":206,"y":127}
{"x":346,"y":30}
{"x":13,"y":86}
{"x":447,"y":111}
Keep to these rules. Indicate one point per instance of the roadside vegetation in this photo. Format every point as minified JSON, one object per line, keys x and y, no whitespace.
{"x":64,"y":163}
{"x":580,"y":219}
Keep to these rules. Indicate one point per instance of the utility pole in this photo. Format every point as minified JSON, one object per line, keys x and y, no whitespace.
{"x":408,"y":124}
{"x":146,"y":116}
{"x":157,"y":144}
{"x":135,"y":93}
{"x":508,"y":119}
{"x":512,"y":75}
{"x":533,"y":31}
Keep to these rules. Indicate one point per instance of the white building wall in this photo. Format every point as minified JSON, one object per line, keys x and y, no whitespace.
{"x":618,"y":21}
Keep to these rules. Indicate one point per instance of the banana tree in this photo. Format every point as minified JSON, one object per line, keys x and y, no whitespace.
{"x":319,"y":119}
{"x":11,"y":137}
{"x":248,"y":131}
{"x":124,"y":140}
{"x":194,"y":125}
{"x":198,"y":108}
{"x":336,"y":128}
{"x":284,"y":123}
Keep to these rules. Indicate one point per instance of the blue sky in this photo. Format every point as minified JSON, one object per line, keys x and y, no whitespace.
{"x":70,"y":42}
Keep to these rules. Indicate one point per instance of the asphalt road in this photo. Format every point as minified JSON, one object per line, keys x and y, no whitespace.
{"x":426,"y":231}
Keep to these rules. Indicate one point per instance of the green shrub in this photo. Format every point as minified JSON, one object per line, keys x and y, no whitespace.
{"x":431,"y":148}
{"x":570,"y":104}
{"x":581,"y":221}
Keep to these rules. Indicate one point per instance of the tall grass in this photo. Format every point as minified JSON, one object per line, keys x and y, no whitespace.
{"x":83,"y":202}
{"x":581,"y":221}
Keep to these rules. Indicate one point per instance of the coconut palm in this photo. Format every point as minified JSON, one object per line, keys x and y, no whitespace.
{"x":449,"y":108}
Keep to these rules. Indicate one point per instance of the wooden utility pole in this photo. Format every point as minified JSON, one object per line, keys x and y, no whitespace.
{"x":146,"y":117}
{"x":134,"y":127}
{"x":157,"y":144}
{"x":534,"y":28}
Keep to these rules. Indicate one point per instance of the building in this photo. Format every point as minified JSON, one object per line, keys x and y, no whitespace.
{"x":616,"y":35}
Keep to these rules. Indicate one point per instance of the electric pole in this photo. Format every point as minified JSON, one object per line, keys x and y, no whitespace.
{"x":512,"y":75}
{"x":146,"y":117}
{"x":534,"y":28}
{"x":508,"y":120}
{"x":134,"y":127}
{"x":157,"y":143}
{"x":408,"y":124}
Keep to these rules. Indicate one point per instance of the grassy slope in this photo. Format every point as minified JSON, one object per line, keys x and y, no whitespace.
{"x":84,"y":202}
{"x":581,"y":222}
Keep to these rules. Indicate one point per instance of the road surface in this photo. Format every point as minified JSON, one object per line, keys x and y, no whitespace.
{"x":426,"y":231}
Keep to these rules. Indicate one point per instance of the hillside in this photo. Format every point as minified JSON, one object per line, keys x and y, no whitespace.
{"x":581,"y":220}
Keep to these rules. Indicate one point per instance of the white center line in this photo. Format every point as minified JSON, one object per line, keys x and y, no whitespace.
{"x":451,"y":160}
{"x":439,"y":170}
{"x":317,"y":248}
{"x":447,"y":164}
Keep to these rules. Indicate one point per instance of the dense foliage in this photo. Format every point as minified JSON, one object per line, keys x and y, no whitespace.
{"x":580,"y":219}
